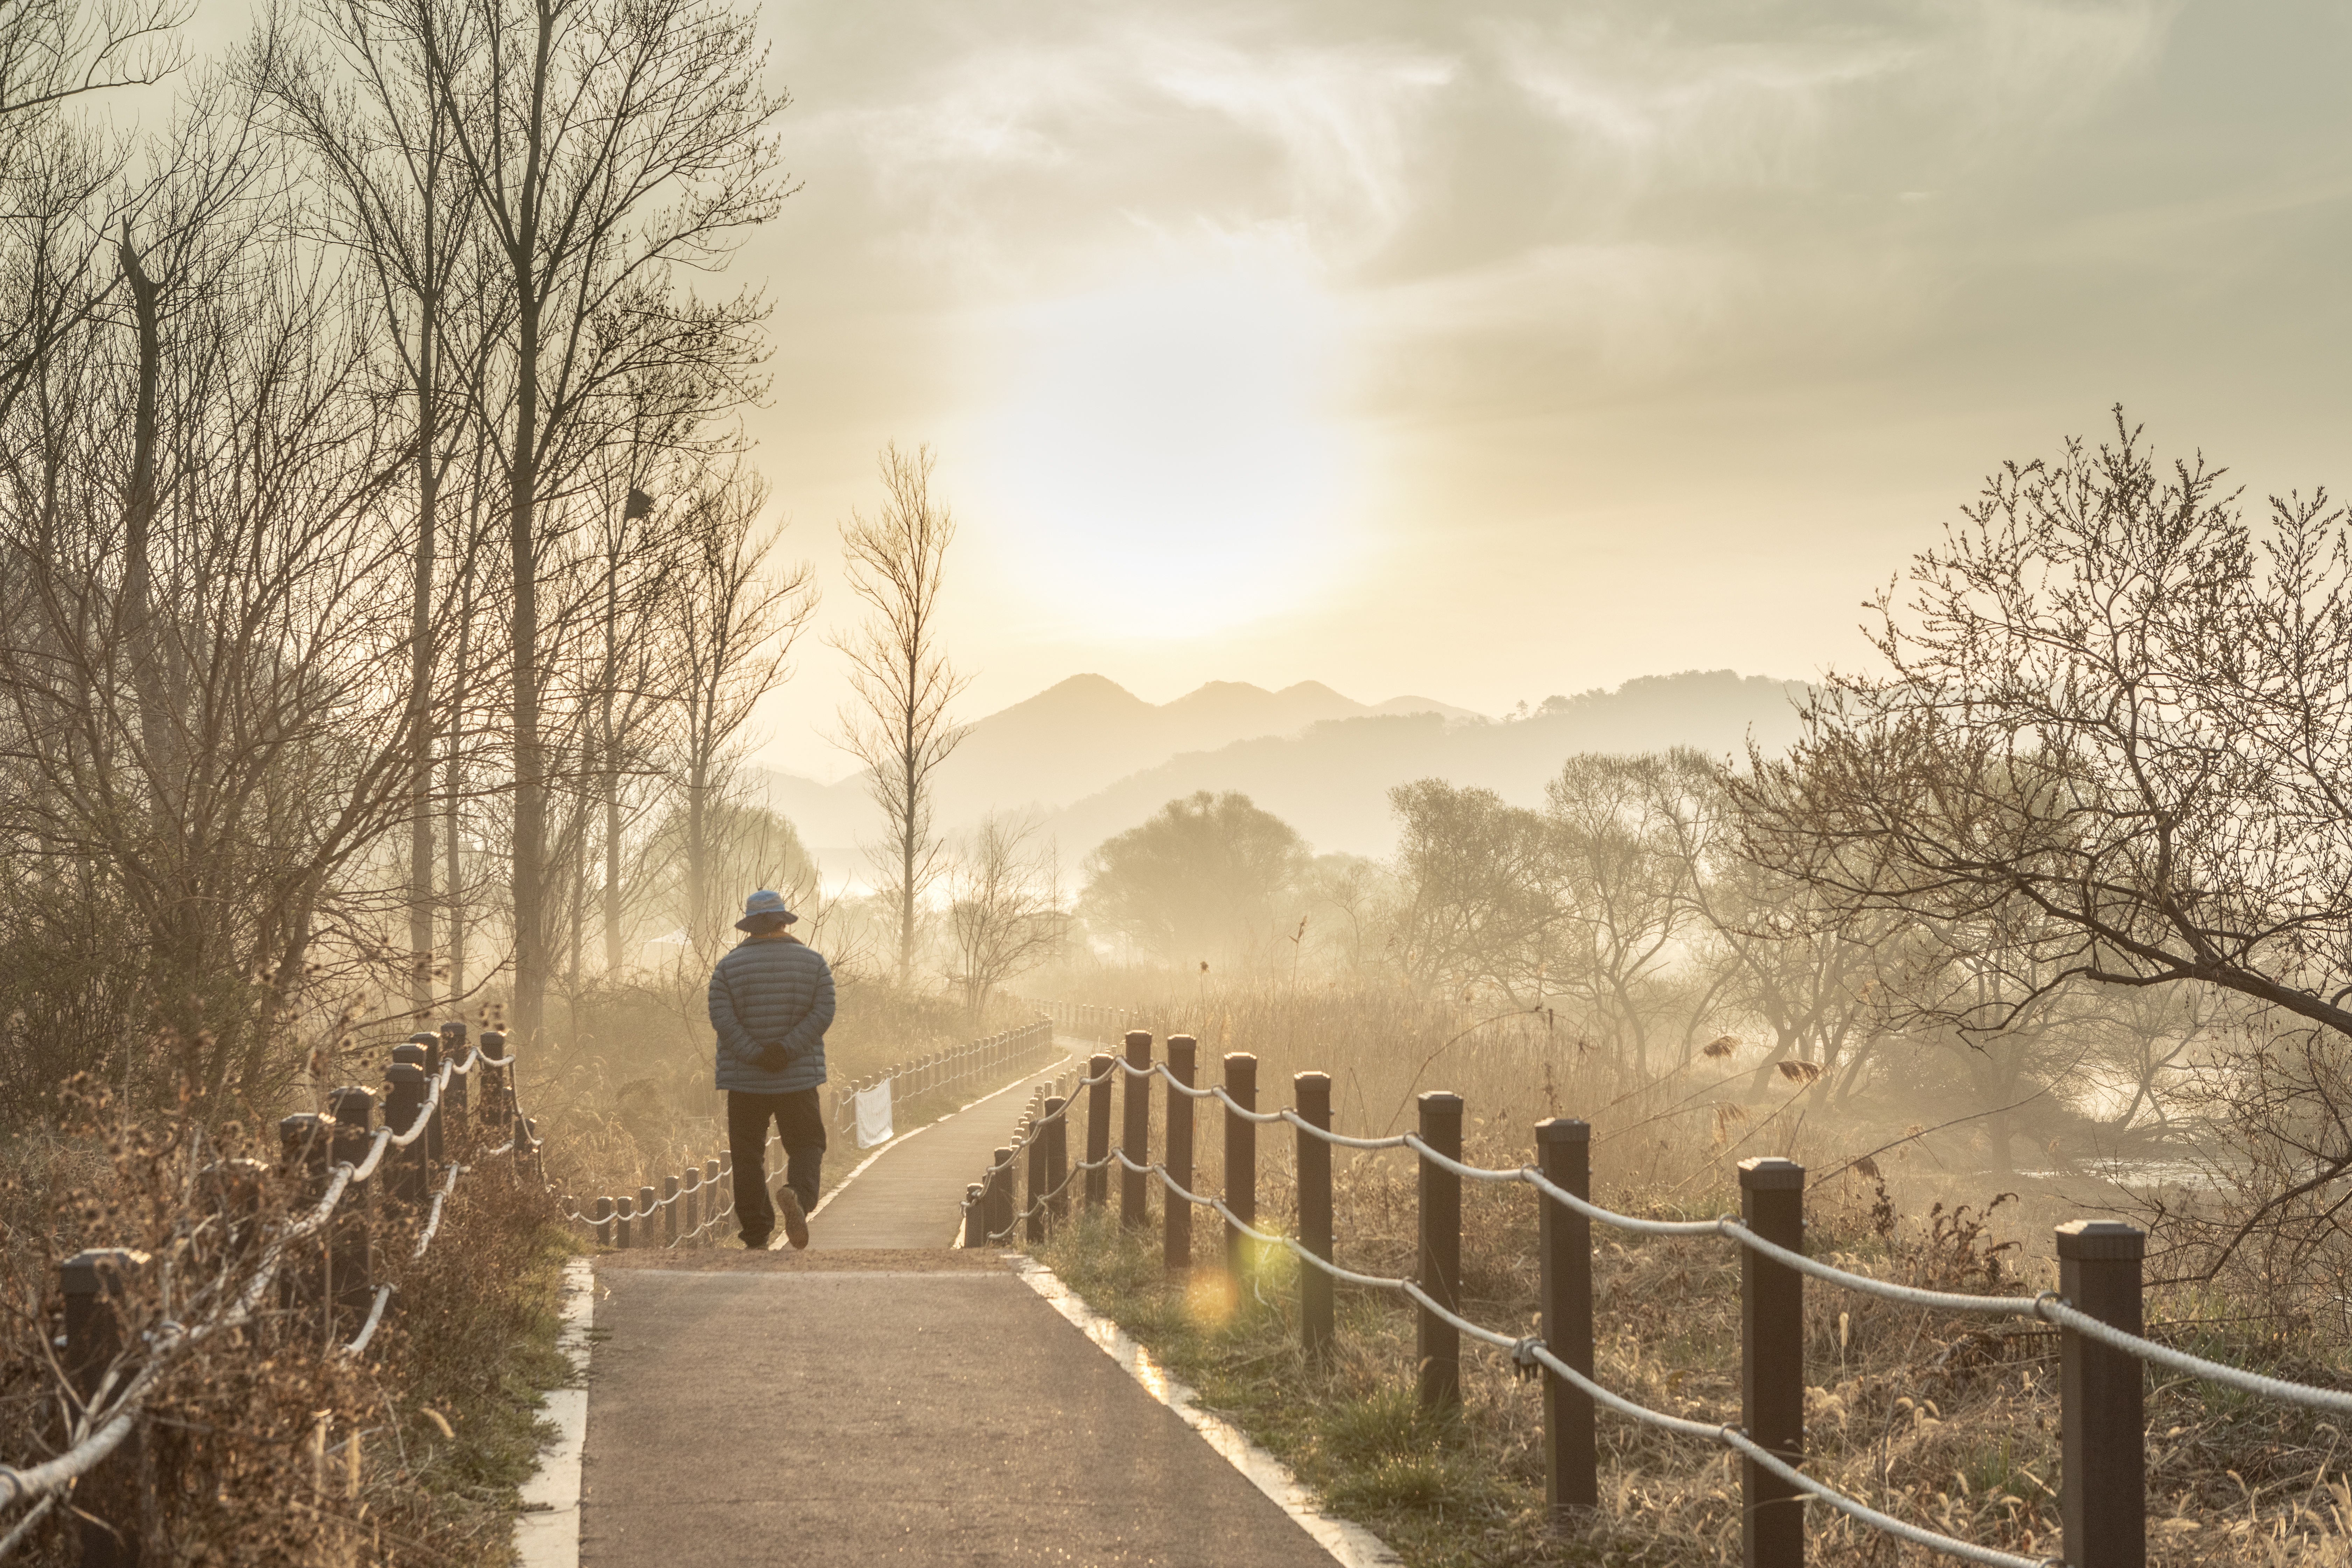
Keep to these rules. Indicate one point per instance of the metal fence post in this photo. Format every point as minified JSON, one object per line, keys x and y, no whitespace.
{"x":2103,"y":1505}
{"x":1135,"y":1136}
{"x":1571,"y":1458}
{"x":1440,"y":1343}
{"x":1240,"y":1165}
{"x":1175,"y":1214}
{"x":1772,"y":1362}
{"x":1057,"y":1156}
{"x":1311,"y":1093}
{"x":1100,"y":1069}
{"x":107,"y":1497}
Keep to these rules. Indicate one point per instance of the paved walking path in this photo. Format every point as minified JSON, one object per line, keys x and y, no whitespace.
{"x":912,"y":1196}
{"x":866,"y":1401}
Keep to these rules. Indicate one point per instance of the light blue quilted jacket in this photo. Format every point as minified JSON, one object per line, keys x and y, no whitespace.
{"x":767,"y":992}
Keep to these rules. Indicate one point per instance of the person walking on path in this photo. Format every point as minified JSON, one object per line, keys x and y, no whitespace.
{"x":770,"y":1003}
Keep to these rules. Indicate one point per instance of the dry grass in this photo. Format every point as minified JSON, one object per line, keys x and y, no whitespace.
{"x":1948,"y":1423}
{"x":260,"y":1448}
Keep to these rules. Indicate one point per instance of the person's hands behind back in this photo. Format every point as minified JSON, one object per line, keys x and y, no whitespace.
{"x":772,"y":1056}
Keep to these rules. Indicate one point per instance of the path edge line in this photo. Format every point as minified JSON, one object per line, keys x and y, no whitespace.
{"x":547,"y":1534}
{"x":1348,"y":1542}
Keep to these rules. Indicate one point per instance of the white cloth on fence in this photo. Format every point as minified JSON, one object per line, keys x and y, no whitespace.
{"x":872,"y":1107}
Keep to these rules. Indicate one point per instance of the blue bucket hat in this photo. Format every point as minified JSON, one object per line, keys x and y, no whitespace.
{"x":760,"y":909}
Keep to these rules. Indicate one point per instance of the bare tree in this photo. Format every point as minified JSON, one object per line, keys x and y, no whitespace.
{"x":736,"y":617}
{"x":607,"y":144}
{"x":1005,"y":906}
{"x":899,"y":725}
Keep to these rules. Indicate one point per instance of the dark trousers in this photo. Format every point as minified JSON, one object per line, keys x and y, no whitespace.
{"x":800,"y":1122}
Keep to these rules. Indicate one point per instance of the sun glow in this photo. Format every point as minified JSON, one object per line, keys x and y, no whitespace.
{"x":1168,"y":458}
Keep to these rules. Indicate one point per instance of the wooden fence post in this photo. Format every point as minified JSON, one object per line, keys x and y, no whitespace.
{"x":431,"y":1062}
{"x":1571,"y":1457}
{"x":648,"y":1232}
{"x":1134,"y":1137}
{"x":350,"y":1281}
{"x":1175,"y":1214}
{"x":1311,"y":1094}
{"x":1241,"y":1165}
{"x":458,"y":1099}
{"x":722,"y":1201}
{"x":1772,"y":1362}
{"x":2102,"y":1508}
{"x":624,"y":1230}
{"x":108,"y":1498}
{"x":404,"y":1098}
{"x":305,"y":1146}
{"x":1439,"y":1341}
{"x":1057,"y":1156}
{"x":669,"y":1211}
{"x":1098,"y":1068}
{"x":1033,"y":1228}
{"x":1000,"y":1197}
{"x":603,"y":1217}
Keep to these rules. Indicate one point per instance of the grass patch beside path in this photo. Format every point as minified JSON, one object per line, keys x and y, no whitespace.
{"x":1441,"y":1492}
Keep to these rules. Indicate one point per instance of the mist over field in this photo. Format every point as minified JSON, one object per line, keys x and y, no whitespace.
{"x":1761,"y":578}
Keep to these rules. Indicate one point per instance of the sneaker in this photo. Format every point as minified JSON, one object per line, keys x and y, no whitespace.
{"x":788,"y":1205}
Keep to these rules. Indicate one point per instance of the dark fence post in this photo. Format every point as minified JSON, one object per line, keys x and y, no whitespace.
{"x":1240,"y":1165}
{"x":350,"y":1269}
{"x":624,"y":1227}
{"x":1440,"y":1343}
{"x":647,"y":1235}
{"x":1311,"y":1094}
{"x":603,"y":1217}
{"x":1034,"y":1227}
{"x":404,"y":1098}
{"x":669,"y":1211}
{"x":1098,"y":1068}
{"x":1571,"y":1459}
{"x":1175,"y":1214}
{"x":107,"y":1497}
{"x":305,"y":1143}
{"x":1057,"y":1156}
{"x":431,"y":1062}
{"x":1773,"y":1362}
{"x":456,"y":1101}
{"x":1000,"y":1197}
{"x":2103,"y":1505}
{"x":975,"y":1216}
{"x":1134,"y":1137}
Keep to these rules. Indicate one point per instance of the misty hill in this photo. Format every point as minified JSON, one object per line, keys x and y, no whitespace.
{"x":1077,"y":738}
{"x":1332,"y":782}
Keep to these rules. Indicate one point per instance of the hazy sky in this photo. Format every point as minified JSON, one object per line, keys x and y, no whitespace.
{"x":1485,"y":351}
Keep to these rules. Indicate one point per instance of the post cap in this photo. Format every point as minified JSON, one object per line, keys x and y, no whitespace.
{"x":2100,"y":1240}
{"x":1187,"y":1041}
{"x":351,"y":1105}
{"x":1321,"y":1081}
{"x":424,"y":1038}
{"x":1770,"y":1174}
{"x":1097,"y":1062}
{"x":1563,"y":1130}
{"x":494,"y":1040}
{"x":403,"y":1075}
{"x":1055,"y":1102}
{"x":1139,"y":1046}
{"x":1439,"y":1101}
{"x":100,"y":1267}
{"x":408,"y":1053}
{"x":454,"y":1029}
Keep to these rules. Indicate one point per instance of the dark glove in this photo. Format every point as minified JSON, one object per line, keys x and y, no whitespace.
{"x":772,"y":1057}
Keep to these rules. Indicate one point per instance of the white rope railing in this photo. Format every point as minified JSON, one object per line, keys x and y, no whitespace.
{"x":104,"y":1424}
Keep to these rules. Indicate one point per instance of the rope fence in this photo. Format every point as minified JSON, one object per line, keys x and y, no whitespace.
{"x":2097,"y":1308}
{"x":319,"y":1262}
{"x":971,"y":1064}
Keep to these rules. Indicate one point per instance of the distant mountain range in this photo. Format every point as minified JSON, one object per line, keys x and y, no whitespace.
{"x":1094,"y":759}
